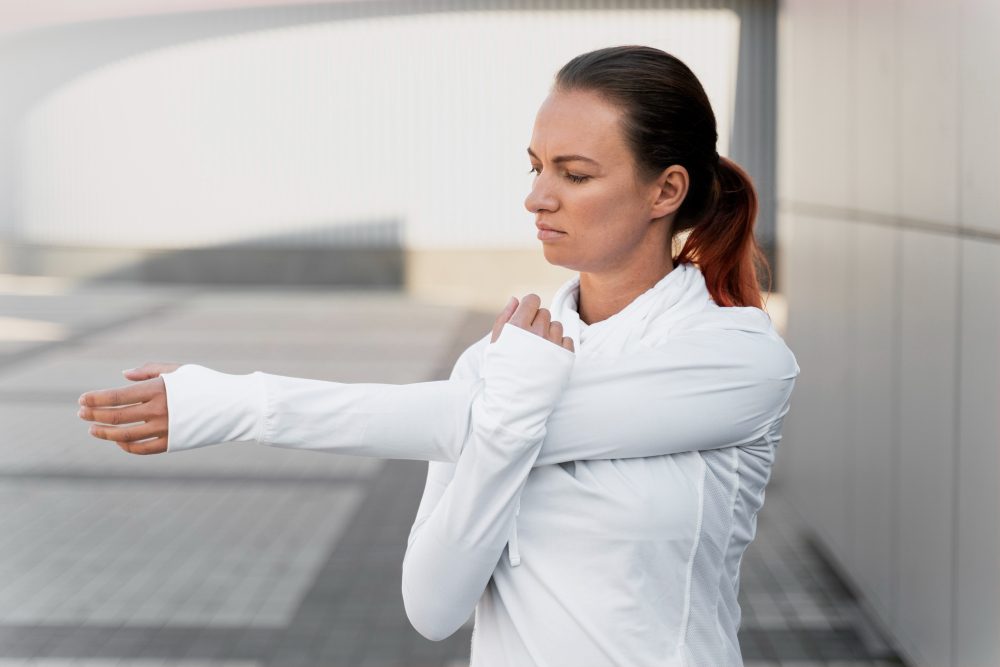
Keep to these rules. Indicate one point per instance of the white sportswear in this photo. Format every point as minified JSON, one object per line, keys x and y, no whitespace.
{"x":622,"y":480}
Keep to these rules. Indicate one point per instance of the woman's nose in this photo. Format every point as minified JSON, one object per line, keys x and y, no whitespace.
{"x":540,"y":198}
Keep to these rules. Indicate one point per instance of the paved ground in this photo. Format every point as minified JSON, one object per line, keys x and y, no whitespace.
{"x":242,"y":554}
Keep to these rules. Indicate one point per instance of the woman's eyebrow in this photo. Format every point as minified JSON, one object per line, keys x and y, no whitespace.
{"x":565,"y":158}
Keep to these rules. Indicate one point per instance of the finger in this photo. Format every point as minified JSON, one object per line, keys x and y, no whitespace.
{"x":115,"y":416}
{"x":555,"y":332}
{"x":129,"y":433}
{"x":503,"y":317}
{"x":525,"y":311}
{"x":128,"y":395}
{"x":567,"y":342}
{"x":154,"y":446}
{"x":150,"y":369}
{"x":540,"y":325}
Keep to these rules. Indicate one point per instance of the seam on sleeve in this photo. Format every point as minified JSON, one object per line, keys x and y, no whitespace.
{"x":689,"y":569}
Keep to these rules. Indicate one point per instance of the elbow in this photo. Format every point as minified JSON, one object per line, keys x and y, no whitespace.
{"x":429,"y":616}
{"x":430,"y":628}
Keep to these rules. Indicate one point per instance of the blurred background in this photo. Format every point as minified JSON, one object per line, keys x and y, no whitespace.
{"x":268,"y":185}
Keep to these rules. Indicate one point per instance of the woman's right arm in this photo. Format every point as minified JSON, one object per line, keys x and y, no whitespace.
{"x":718,"y":380}
{"x":467,"y":511}
{"x":702,"y":388}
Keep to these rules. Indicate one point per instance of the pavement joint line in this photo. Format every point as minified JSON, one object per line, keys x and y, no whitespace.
{"x":85,"y":333}
{"x":184,"y":478}
{"x":810,"y":640}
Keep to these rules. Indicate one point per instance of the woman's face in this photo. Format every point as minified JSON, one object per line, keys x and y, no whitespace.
{"x":605,"y":218}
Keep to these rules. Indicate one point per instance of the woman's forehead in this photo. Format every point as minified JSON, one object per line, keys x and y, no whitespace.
{"x":577,"y":123}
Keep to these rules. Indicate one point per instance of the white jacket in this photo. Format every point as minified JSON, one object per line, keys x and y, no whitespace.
{"x":623,"y":480}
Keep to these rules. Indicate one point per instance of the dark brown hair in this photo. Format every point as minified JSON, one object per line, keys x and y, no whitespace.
{"x":668,"y":120}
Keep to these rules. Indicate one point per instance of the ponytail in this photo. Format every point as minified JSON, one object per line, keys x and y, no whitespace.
{"x":723,"y":243}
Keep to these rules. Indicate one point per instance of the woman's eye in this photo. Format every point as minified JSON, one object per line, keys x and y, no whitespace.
{"x":571,"y":177}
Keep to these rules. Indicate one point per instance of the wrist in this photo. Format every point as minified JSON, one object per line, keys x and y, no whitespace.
{"x":205,"y":407}
{"x":525,"y":376}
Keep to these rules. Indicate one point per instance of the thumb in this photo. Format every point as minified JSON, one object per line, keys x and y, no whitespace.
{"x":503,"y":317}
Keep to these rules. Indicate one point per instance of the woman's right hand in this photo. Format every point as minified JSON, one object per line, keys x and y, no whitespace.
{"x":529,"y":316}
{"x":143,"y":404}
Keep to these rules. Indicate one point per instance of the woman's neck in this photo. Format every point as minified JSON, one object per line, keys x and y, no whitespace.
{"x":604,"y":294}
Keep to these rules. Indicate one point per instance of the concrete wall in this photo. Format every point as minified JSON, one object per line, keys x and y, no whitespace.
{"x":889,"y":227}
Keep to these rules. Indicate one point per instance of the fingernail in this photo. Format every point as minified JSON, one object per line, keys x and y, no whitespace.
{"x":81,"y":401}
{"x":128,"y":370}
{"x":79,"y":413}
{"x":512,"y":301}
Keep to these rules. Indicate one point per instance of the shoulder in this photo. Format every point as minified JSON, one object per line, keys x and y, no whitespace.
{"x":746,"y":334}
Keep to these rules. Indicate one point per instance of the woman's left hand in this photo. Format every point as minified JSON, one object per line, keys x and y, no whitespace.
{"x":530,"y":316}
{"x":144,"y":405}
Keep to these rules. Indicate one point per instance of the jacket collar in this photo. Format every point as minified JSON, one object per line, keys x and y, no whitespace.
{"x":646,"y":319}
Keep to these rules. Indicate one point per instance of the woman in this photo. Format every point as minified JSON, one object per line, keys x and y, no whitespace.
{"x":616,"y":446}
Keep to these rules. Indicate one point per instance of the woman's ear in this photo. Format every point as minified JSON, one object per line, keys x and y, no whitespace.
{"x":669,"y":190}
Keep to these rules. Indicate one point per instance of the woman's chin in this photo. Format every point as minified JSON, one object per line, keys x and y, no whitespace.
{"x":559,"y":257}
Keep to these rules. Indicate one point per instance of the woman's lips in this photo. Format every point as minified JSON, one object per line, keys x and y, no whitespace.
{"x":549,"y":234}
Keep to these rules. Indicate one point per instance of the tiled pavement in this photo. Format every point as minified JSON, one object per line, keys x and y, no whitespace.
{"x":246,"y":555}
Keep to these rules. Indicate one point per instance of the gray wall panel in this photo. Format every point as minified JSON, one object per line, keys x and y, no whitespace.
{"x":874,"y":332}
{"x":926,"y":454}
{"x":977,"y":553}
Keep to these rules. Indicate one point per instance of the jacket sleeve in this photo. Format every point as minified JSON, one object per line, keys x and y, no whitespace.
{"x":423,"y":616}
{"x":440,"y":473}
{"x":468,"y":509}
{"x":421,"y":420}
{"x":700,"y":389}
